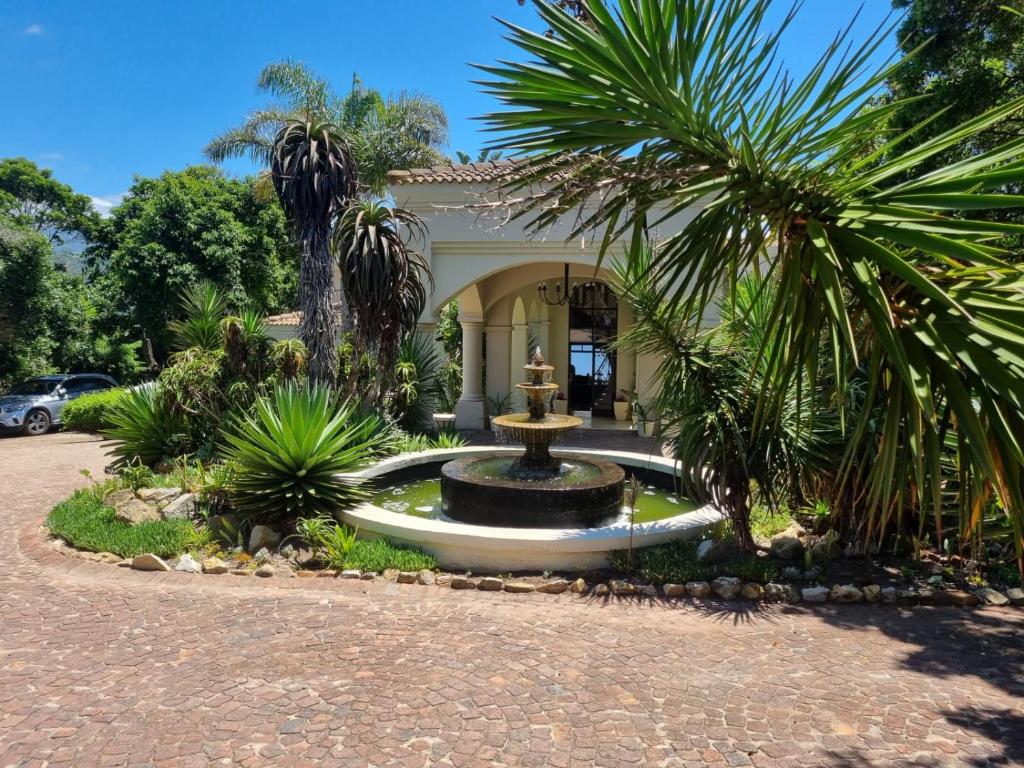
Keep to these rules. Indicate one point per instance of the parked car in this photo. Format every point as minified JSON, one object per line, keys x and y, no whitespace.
{"x":35,"y":405}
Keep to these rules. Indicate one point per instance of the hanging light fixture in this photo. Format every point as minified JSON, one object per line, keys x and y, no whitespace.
{"x":562,"y":295}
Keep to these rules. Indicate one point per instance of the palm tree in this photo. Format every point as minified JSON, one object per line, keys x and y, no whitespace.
{"x":386,"y":134}
{"x":314,"y":176}
{"x":664,"y":105}
{"x":383,"y":277}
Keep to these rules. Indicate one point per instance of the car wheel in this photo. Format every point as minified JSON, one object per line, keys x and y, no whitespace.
{"x":37,"y":423}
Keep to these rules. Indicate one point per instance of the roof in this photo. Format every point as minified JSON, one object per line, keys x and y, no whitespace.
{"x":293,"y":318}
{"x":450,"y":173}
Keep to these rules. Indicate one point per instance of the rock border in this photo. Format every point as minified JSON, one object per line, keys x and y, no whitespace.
{"x":724,"y":588}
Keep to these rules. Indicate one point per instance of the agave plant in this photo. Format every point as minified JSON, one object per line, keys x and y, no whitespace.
{"x":144,"y":428}
{"x":666,"y":105}
{"x":315,"y":177}
{"x":383,"y":278}
{"x":290,"y":456}
{"x":415,"y":389}
{"x":202,"y":306}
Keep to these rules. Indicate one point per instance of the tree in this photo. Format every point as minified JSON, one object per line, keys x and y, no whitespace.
{"x":31,"y":197}
{"x":667,"y":104}
{"x":971,"y":59}
{"x":483,"y":156}
{"x":383,"y":279}
{"x":385,"y":134}
{"x":25,"y":271}
{"x":185,"y":226}
{"x":314,"y":176}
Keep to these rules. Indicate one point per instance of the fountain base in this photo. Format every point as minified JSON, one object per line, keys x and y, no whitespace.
{"x":501,"y":491}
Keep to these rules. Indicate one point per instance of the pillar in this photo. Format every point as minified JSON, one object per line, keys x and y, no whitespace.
{"x":498,"y":360}
{"x":519,"y":357}
{"x":469,"y":411}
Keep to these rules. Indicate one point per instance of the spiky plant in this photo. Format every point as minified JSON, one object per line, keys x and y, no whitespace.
{"x":315,"y":177}
{"x":144,"y":428}
{"x":384,"y":280}
{"x":290,"y":358}
{"x":655,"y":107}
{"x":201,"y":307}
{"x":289,"y":456}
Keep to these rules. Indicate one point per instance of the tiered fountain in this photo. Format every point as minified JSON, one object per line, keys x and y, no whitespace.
{"x":534,"y":489}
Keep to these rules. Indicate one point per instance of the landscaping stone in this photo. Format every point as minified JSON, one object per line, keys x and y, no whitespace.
{"x":872,"y":593}
{"x":126,"y":563}
{"x":698,"y":589}
{"x":135,"y":511}
{"x":580,"y":587}
{"x":214,"y":566}
{"x":519,"y":586}
{"x":726,"y":587}
{"x":647,"y":590}
{"x":458,"y":581}
{"x":826,"y":548}
{"x":109,"y":558}
{"x":907,"y":596}
{"x":488,"y":584}
{"x":781,"y":593}
{"x":602,"y":590}
{"x":241,"y":572}
{"x":327,"y":573}
{"x":814,"y":594}
{"x":159,"y":496}
{"x":1016,"y":596}
{"x":265,"y":571}
{"x":121,"y":496}
{"x":955,"y":597}
{"x":673,"y":590}
{"x":846,"y":593}
{"x":182,"y":508}
{"x":426,"y":577}
{"x":304,"y":574}
{"x":993,"y":596}
{"x":786,"y":545}
{"x":188,"y":564}
{"x":792,"y":572}
{"x":621,"y":588}
{"x":351,"y":574}
{"x":555,"y":587}
{"x":889,"y":595}
{"x":752,"y":591}
{"x":713,"y":551}
{"x":263,"y":536}
{"x":367,"y":576}
{"x":811,"y":573}
{"x":406,"y":577}
{"x":149,"y":562}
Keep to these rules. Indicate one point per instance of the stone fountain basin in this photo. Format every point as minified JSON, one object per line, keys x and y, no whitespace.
{"x":493,"y":549}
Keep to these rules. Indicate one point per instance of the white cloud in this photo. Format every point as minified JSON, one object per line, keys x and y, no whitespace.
{"x":104,"y":204}
{"x":33,"y":29}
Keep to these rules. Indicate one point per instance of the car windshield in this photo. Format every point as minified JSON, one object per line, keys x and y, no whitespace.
{"x":35,"y":387}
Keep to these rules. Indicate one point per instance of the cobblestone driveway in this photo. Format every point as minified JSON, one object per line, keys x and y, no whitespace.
{"x":101,"y":667}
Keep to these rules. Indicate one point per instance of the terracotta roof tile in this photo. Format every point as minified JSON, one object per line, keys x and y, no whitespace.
{"x":471,"y":173}
{"x":292,"y":319}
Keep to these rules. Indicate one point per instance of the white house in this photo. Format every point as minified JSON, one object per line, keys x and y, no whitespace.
{"x":508,"y":283}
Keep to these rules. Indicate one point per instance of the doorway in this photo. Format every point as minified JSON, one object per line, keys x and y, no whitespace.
{"x":593,"y":322}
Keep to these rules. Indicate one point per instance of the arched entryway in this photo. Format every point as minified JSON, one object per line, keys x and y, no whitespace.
{"x":593,"y":325}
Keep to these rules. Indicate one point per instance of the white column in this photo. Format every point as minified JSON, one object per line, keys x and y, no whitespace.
{"x":519,"y":344}
{"x":498,"y":360}
{"x":469,"y":411}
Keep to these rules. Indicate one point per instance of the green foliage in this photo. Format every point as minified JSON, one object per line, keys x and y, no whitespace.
{"x":412,"y":442}
{"x":415,"y":388}
{"x":448,"y":440}
{"x":144,"y":429}
{"x":92,"y":411}
{"x":186,"y":226}
{"x":386,"y":134}
{"x":676,"y":563}
{"x":290,"y":454}
{"x":870,"y":246}
{"x":32,"y":198}
{"x":340,"y":548}
{"x":84,"y":522}
{"x":765,"y":522}
{"x":25,"y":272}
{"x":202,"y":305}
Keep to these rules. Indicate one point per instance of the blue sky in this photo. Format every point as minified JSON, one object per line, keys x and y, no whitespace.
{"x":103,"y":91}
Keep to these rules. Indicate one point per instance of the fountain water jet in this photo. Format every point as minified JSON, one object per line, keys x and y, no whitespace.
{"x":536,"y":489}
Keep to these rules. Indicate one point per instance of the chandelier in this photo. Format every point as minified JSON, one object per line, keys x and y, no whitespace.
{"x":562,"y":294}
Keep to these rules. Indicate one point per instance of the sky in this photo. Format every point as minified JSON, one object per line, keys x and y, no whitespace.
{"x":101,"y":92}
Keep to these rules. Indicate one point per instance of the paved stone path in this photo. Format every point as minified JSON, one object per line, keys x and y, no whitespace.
{"x":100,"y":666}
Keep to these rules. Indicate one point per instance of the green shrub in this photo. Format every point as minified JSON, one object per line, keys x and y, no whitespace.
{"x":84,"y":522}
{"x":380,"y":554}
{"x":288,"y":455}
{"x":676,"y":563}
{"x":92,"y":412}
{"x":143,"y":428}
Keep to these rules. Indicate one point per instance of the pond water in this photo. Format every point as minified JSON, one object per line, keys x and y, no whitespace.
{"x":422,"y":498}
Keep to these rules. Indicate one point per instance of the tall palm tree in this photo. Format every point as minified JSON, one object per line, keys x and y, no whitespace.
{"x":386,"y":134}
{"x":314,"y":176}
{"x":663,"y":105}
{"x":384,"y":279}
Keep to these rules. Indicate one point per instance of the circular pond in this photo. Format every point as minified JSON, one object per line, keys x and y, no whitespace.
{"x":406,"y":507}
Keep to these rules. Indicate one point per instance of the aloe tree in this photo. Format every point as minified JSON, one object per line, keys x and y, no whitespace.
{"x":666,"y":106}
{"x":384,"y":280}
{"x":314,"y":176}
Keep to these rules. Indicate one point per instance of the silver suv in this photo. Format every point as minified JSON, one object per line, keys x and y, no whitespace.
{"x":33,"y":406}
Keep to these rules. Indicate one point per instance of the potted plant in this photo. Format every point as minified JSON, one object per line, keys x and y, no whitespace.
{"x":560,"y":404}
{"x":497,"y":405}
{"x":621,"y":406}
{"x":646,"y":421}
